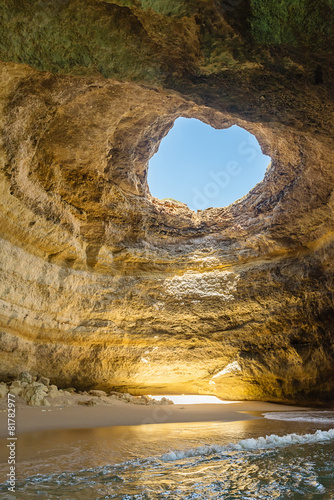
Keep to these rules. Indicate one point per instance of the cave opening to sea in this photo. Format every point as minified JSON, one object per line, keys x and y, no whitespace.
{"x":205,"y":167}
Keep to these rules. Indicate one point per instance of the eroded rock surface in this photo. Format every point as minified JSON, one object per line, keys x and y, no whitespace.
{"x":103,"y":285}
{"x":43,"y":394}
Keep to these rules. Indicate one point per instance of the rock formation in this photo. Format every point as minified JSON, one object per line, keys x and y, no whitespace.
{"x":105,"y":287}
{"x":27,"y":390}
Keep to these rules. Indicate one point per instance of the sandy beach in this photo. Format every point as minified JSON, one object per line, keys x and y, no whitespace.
{"x":32,"y":419}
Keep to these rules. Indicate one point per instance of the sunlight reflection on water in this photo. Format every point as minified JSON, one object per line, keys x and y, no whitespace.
{"x":127,"y":463}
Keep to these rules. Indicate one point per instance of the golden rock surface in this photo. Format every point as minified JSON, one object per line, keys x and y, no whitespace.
{"x":104,"y":286}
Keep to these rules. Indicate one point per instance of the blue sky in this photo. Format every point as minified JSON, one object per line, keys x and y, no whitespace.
{"x":204,"y":167}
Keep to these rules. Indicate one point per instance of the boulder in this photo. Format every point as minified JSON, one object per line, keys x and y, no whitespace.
{"x":71,"y":390}
{"x":44,"y":381}
{"x":35,"y":393}
{"x":166,"y":401}
{"x":90,"y":402}
{"x":16,"y":390}
{"x":53,"y":391}
{"x":115,"y":394}
{"x":147,"y":399}
{"x":97,"y":393}
{"x":16,"y":383}
{"x":25,"y":377}
{"x":138,"y":401}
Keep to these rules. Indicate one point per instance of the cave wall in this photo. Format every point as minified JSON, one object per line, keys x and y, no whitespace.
{"x":103,"y":285}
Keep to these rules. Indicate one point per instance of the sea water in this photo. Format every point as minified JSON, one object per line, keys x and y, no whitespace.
{"x":286,"y":455}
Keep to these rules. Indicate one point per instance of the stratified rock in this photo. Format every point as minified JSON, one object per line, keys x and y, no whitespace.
{"x":103,"y":285}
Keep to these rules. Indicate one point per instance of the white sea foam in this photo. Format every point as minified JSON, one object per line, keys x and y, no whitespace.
{"x":325,"y":417}
{"x":260,"y":443}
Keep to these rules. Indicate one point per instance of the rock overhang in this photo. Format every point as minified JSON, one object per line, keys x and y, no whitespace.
{"x":96,"y":272}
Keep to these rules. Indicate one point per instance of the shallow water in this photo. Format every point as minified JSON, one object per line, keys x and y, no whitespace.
{"x":206,"y":461}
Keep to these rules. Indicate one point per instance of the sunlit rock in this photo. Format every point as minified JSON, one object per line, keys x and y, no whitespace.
{"x":105,"y":287}
{"x":53,"y":391}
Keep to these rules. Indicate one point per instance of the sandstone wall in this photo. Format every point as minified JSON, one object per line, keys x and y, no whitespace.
{"x":103,"y":285}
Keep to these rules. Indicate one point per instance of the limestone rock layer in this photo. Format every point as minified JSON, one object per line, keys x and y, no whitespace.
{"x":104,"y":286}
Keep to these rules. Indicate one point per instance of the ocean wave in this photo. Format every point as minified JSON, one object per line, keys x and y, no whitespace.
{"x":251,"y":444}
{"x":325,"y":417}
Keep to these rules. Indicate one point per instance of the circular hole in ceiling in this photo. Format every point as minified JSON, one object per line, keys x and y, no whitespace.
{"x":205,"y":167}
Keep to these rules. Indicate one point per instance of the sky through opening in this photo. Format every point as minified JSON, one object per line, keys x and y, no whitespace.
{"x":204,"y":167}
